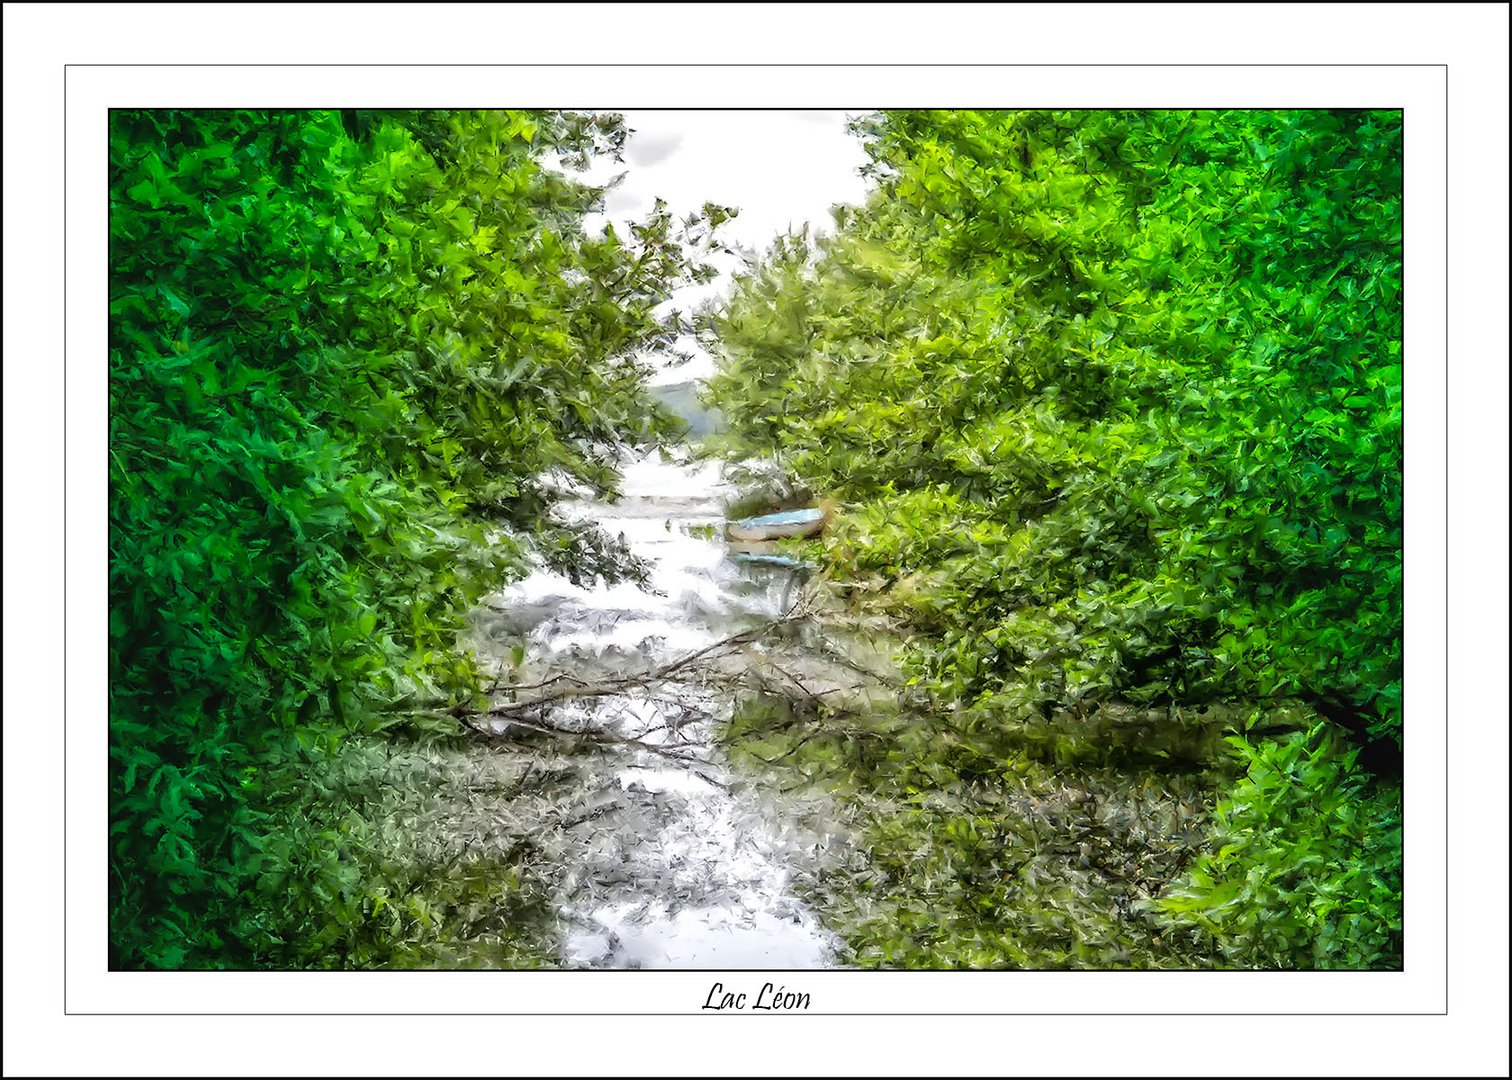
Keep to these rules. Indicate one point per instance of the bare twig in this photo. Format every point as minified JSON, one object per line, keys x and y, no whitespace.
{"x":600,"y":738}
{"x":789,"y":751}
{"x":619,"y":683}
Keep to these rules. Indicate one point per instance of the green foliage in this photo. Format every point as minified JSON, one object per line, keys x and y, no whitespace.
{"x":1115,"y":400}
{"x":345,"y":350}
{"x":978,"y":854}
{"x":1308,"y":871}
{"x":382,"y":859}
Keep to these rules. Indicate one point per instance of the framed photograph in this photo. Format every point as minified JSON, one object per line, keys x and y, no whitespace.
{"x":593,"y":540}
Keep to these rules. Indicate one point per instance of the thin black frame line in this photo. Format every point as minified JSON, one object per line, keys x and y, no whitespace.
{"x":766,"y":109}
{"x":63,"y":727}
{"x":398,"y":972}
{"x":810,"y":1013}
{"x":1447,"y":324}
{"x":791,"y":970}
{"x":953,"y":67}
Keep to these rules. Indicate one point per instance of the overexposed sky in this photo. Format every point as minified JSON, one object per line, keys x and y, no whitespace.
{"x":781,"y":168}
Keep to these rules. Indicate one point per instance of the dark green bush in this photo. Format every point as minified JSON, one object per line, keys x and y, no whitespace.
{"x":1115,"y":401}
{"x":1308,"y":867}
{"x":344,"y":349}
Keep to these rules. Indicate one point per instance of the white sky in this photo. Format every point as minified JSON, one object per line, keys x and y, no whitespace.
{"x":781,"y":168}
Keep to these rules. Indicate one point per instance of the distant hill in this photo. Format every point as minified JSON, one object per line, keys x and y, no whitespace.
{"x":682,"y":399}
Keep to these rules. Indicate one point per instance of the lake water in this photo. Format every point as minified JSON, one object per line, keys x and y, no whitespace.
{"x":669,"y":855}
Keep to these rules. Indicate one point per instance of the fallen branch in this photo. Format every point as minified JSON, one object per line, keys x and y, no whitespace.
{"x":620,"y":683}
{"x":604,"y":738}
{"x":597,"y":738}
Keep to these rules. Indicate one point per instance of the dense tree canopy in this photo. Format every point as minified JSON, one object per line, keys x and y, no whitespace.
{"x":346,"y":351}
{"x":1109,"y":403}
{"x":1113,"y":400}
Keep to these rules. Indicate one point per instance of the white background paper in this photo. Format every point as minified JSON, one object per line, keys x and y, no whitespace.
{"x":1471,"y":39}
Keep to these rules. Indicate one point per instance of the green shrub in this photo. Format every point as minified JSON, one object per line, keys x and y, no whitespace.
{"x":1114,"y":399}
{"x":1308,"y":867}
{"x":344,"y":348}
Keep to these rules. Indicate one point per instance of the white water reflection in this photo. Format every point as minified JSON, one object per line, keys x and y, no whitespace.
{"x":668,"y":857}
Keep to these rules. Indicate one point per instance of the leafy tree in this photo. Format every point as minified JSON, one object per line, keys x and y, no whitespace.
{"x":346,"y":351}
{"x":1114,"y":399}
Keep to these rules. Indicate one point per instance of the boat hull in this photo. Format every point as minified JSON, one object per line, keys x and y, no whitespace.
{"x":784,"y":526}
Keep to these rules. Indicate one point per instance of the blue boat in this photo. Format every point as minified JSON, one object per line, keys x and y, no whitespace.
{"x":788,"y":524}
{"x":757,"y":558}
